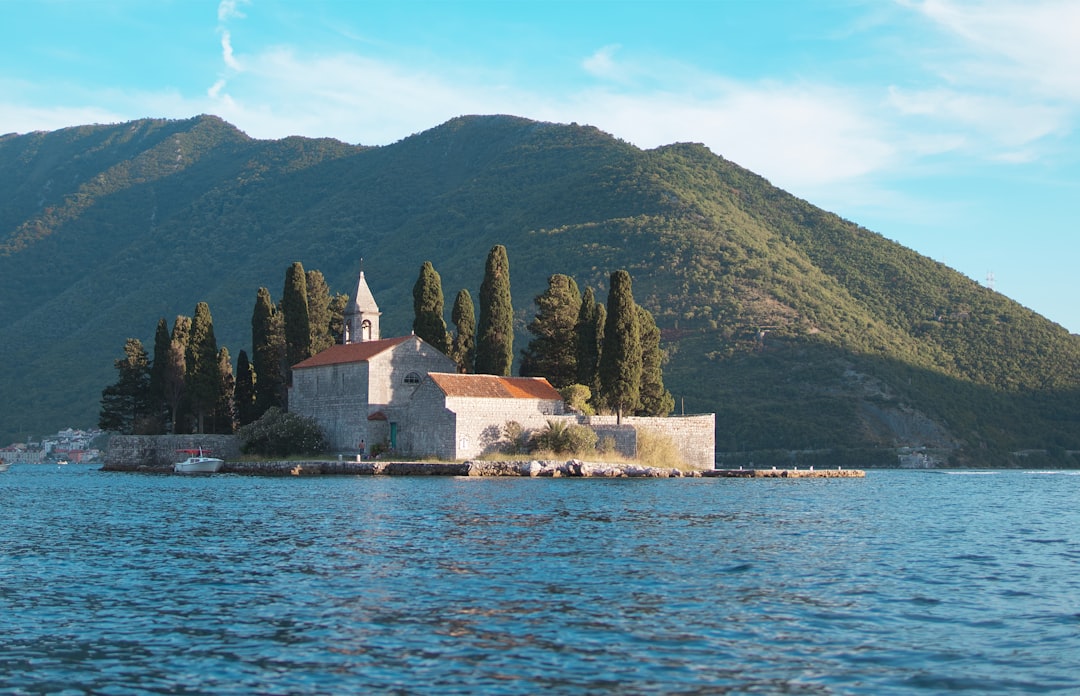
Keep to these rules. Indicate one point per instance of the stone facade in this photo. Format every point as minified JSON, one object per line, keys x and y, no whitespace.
{"x":356,"y":391}
{"x":463,"y":423}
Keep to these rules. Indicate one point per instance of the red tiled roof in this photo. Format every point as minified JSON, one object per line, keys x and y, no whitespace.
{"x":494,"y":387}
{"x":342,"y":353}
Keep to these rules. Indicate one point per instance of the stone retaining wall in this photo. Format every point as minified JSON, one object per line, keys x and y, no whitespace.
{"x":160,"y":452}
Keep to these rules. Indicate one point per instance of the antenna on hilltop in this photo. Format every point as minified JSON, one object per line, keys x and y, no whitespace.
{"x":990,"y":279}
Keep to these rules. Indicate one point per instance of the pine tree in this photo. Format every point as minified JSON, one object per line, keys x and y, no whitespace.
{"x":158,"y":406}
{"x":203,"y":376}
{"x":495,"y":333}
{"x":552,"y":353}
{"x":428,"y":321}
{"x":654,"y":399}
{"x":620,"y":360}
{"x":464,"y":318}
{"x":294,"y":310}
{"x":244,"y":395}
{"x":267,"y":354}
{"x":125,"y":406}
{"x":225,"y":408}
{"x":319,"y":312}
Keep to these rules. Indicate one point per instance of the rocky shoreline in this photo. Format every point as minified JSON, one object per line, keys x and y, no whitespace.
{"x":573,"y":468}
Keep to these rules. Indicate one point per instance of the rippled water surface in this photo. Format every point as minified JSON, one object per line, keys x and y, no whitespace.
{"x":902,"y":582}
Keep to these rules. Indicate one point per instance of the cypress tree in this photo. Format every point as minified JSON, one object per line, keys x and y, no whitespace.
{"x":267,"y":354}
{"x":589,"y":330}
{"x":158,"y":406}
{"x":654,"y":399}
{"x":203,"y":376}
{"x":175,"y":390}
{"x":244,"y":395}
{"x":294,"y":310}
{"x":552,"y":353}
{"x":176,"y":375}
{"x":319,"y":313}
{"x":225,"y":408}
{"x":338,"y":303}
{"x":620,"y":360}
{"x":464,"y":318}
{"x":428,"y":321}
{"x":125,"y":405}
{"x":495,"y":333}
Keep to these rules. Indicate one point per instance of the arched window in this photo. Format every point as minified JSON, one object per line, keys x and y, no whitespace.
{"x":412,"y":378}
{"x":365,"y":329}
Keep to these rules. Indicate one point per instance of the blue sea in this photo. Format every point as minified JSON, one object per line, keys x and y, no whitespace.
{"x":902,"y":582}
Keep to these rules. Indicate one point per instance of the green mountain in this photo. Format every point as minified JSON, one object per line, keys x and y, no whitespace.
{"x":801,"y":330}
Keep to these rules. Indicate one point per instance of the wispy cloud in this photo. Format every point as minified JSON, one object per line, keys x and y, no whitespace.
{"x":230,"y":9}
{"x":227,"y":51}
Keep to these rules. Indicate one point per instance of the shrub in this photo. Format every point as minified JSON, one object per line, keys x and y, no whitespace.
{"x":281,"y":434}
{"x":517,"y":438}
{"x":562,"y":438}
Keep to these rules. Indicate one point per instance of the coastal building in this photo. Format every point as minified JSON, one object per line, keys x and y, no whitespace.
{"x":402,"y":394}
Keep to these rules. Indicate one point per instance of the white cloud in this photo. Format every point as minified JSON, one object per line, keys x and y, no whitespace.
{"x":602,"y":63}
{"x":227,"y":51}
{"x":1031,"y":45}
{"x":229,"y":9}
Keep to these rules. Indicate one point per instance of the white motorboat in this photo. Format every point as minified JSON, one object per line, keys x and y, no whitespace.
{"x":198,"y":463}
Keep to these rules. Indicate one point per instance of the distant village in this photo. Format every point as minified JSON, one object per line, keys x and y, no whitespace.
{"x":68,"y":445}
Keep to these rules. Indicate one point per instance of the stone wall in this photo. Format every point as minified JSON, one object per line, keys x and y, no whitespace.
{"x":335,"y":396}
{"x":480,"y":422}
{"x":160,"y":452}
{"x":694,"y":436}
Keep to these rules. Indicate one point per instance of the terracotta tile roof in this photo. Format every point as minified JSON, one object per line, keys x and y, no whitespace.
{"x":494,"y":387}
{"x":342,"y":353}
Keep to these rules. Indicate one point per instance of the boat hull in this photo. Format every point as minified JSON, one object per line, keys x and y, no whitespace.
{"x":198,"y":465}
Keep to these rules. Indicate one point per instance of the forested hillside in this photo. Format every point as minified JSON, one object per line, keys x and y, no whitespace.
{"x":799,"y":329}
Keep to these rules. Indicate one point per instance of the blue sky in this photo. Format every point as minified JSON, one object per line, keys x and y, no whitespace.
{"x":949,"y":126}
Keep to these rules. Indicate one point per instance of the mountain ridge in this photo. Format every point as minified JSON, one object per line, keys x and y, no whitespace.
{"x":778,"y":315}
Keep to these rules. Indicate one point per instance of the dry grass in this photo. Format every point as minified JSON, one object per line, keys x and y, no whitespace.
{"x":654,"y":450}
{"x":660,"y":451}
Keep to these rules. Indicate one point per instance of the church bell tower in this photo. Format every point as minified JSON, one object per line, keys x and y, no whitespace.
{"x":361,"y":314}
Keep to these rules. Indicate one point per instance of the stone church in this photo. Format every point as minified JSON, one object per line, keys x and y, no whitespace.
{"x":404,"y":394}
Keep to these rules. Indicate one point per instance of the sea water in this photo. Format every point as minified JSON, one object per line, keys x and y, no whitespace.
{"x":902,"y":582}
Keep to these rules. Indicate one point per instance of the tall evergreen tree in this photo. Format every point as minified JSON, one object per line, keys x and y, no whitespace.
{"x":495,"y":333}
{"x":428,"y":321}
{"x":589,"y":332}
{"x":203,"y":376}
{"x":654,"y":399}
{"x":158,"y":405}
{"x":244,"y":396}
{"x":125,"y":405}
{"x":267,"y":354}
{"x":319,"y":313}
{"x":552,"y":353}
{"x":294,"y":310}
{"x":620,"y":360}
{"x":464,"y":318}
{"x":338,"y":303}
{"x":176,"y":375}
{"x":175,"y":390}
{"x":225,"y":408}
